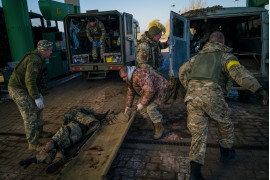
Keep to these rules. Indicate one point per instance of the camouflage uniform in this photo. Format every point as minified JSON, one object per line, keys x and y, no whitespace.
{"x":96,"y":33}
{"x":76,"y":123}
{"x":148,"y":52}
{"x":153,"y":90}
{"x":205,"y":98}
{"x":24,"y":88}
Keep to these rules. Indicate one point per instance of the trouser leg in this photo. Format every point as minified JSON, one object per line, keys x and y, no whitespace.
{"x":29,"y":113}
{"x":198,"y":126}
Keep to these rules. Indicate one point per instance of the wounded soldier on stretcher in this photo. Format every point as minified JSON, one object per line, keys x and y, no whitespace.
{"x":76,"y":126}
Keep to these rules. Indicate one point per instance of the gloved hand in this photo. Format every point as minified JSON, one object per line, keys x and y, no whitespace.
{"x":164,"y":64}
{"x":99,"y":43}
{"x":25,"y":163}
{"x":39,"y":103}
{"x":95,"y":43}
{"x":127,"y":109}
{"x":263,"y":94}
{"x":139,"y":107}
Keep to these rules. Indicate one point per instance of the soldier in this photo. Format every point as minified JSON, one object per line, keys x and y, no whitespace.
{"x":76,"y":124}
{"x":24,"y":89}
{"x":95,"y":32}
{"x":148,"y":50}
{"x":153,"y":90}
{"x":205,"y":77}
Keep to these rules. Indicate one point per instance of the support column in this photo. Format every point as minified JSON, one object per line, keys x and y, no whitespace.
{"x":18,"y":27}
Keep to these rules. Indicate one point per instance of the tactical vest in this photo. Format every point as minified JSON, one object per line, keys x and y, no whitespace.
{"x":208,"y":67}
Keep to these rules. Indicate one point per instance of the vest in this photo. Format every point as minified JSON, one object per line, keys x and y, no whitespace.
{"x":208,"y":67}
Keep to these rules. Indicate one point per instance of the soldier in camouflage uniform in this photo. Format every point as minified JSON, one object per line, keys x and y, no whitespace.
{"x":153,"y":90}
{"x":205,"y":77}
{"x":75,"y":124}
{"x":95,"y":32}
{"x":24,"y":89}
{"x":148,"y":50}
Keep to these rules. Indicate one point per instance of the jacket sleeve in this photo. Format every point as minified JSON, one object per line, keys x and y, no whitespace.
{"x":184,"y":72}
{"x":130,"y":96}
{"x":143,"y":53}
{"x":88,"y":33}
{"x":240,"y":74}
{"x":148,"y":88}
{"x":103,"y":31}
{"x":32,"y":70}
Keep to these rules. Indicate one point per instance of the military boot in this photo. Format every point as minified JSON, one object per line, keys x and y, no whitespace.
{"x":159,"y":129}
{"x":195,"y":171}
{"x":226,"y":154}
{"x":45,"y":134}
{"x":37,"y":147}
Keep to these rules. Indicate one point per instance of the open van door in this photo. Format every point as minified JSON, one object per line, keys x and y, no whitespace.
{"x":179,"y":44}
{"x":129,"y":37}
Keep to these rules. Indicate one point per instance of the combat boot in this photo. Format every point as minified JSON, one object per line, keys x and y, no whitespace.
{"x":195,"y":171}
{"x":159,"y":129}
{"x":226,"y":154}
{"x":45,"y":134}
{"x":37,"y":147}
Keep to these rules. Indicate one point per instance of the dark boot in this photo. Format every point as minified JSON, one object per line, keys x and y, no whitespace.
{"x":226,"y":154}
{"x":159,"y":129}
{"x":195,"y":171}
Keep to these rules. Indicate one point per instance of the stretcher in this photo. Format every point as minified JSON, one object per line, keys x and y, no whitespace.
{"x":97,"y":154}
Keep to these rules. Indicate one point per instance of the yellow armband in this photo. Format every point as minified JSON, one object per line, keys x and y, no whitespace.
{"x":231,"y":63}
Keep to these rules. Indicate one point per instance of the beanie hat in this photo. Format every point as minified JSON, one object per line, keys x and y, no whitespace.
{"x":154,"y":30}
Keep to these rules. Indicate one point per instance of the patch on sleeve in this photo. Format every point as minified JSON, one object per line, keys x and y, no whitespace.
{"x":231,"y":63}
{"x":144,"y":56}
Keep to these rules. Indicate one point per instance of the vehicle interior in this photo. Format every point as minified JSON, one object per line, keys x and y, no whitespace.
{"x":79,"y":45}
{"x":242,"y":33}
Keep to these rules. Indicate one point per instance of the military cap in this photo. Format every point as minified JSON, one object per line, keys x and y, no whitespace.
{"x":154,"y":30}
{"x":44,"y":45}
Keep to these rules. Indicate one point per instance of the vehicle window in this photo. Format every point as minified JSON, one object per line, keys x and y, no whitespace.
{"x":36,"y":22}
{"x":129,"y":24}
{"x":178,"y":28}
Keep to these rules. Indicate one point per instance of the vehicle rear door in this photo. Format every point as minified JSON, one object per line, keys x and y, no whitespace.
{"x":129,"y":37}
{"x":179,"y":43}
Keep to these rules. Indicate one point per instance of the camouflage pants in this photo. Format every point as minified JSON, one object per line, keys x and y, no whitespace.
{"x":68,"y":135}
{"x":151,"y":111}
{"x":31,"y":115}
{"x":198,"y":115}
{"x":94,"y":51}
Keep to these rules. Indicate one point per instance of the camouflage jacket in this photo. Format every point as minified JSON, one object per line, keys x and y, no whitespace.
{"x":148,"y":52}
{"x":28,"y":74}
{"x":149,"y":85}
{"x":96,"y":32}
{"x":230,"y":68}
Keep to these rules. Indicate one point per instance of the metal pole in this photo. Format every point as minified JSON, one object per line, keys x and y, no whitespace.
{"x":18,"y":28}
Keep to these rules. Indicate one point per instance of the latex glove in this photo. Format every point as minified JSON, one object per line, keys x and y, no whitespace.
{"x":164,"y":64}
{"x":263,"y":94}
{"x":95,"y":43}
{"x":139,"y":107}
{"x":99,"y":43}
{"x":39,"y":103}
{"x":127,"y":109}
